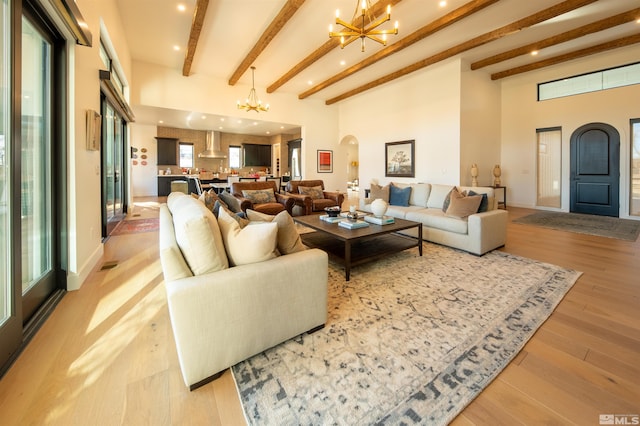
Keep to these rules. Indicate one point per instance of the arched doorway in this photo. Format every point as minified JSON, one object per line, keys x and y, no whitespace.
{"x":595,"y":170}
{"x":352,"y":164}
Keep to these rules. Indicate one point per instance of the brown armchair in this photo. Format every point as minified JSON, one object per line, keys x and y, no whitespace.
{"x":282,"y":201}
{"x":306,"y":203}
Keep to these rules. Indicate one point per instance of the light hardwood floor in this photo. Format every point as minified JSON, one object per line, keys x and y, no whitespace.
{"x":106,"y":356}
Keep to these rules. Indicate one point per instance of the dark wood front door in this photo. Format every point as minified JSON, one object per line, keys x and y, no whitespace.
{"x":595,"y":170}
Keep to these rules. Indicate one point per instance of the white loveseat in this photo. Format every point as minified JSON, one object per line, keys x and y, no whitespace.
{"x":478,"y":233}
{"x":221,"y":317}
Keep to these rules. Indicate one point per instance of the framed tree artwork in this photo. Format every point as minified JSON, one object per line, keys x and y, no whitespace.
{"x":325,"y":161}
{"x":399,"y":159}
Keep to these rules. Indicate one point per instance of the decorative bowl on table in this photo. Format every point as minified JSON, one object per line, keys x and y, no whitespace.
{"x":332,"y":211}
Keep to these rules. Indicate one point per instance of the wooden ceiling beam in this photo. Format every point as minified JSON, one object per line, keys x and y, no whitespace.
{"x":377,"y":10}
{"x":594,"y":27}
{"x":431,"y":28}
{"x":514,"y":27}
{"x":194,"y":35}
{"x":278,"y":23}
{"x":602,"y":47}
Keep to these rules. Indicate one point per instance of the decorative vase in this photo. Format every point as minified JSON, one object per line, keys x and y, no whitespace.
{"x":496,"y":175}
{"x":474,"y":174}
{"x":378,"y":207}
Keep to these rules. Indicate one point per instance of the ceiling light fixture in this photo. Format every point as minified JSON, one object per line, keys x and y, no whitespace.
{"x":351,"y":32}
{"x":252,"y":103}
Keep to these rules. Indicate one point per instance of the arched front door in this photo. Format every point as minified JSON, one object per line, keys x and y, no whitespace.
{"x":595,"y":170}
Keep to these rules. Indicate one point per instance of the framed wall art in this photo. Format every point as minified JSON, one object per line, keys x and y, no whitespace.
{"x":399,"y":159}
{"x":325,"y":161}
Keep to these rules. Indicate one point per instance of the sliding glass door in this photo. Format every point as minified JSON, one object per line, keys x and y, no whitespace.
{"x":113,"y":173}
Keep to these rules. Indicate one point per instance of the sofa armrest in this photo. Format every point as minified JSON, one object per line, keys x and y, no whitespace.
{"x":224,"y":317}
{"x":286,"y":201}
{"x":303,"y":201}
{"x":338,"y":197}
{"x":488,"y":230}
{"x":245,"y":203}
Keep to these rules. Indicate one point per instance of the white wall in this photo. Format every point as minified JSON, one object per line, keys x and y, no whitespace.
{"x":85,"y":245}
{"x":424,"y":106}
{"x":167,"y":88}
{"x":144,"y":179}
{"x":479,"y":126}
{"x":522,"y":114}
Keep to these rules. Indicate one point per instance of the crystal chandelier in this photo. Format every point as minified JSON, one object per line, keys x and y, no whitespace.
{"x":363,"y":14}
{"x":252,"y":103}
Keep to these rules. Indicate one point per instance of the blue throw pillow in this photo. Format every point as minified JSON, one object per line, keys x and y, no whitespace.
{"x":399,"y":196}
{"x":484,"y":204}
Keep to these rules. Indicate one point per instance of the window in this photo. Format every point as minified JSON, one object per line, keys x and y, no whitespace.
{"x":549,"y":167}
{"x":234,"y":157}
{"x":634,"y":205}
{"x":591,"y":82}
{"x":186,"y":155}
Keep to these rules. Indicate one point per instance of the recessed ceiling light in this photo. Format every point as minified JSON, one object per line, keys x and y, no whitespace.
{"x":239,"y":121}
{"x":268,"y":132}
{"x":221,"y":118}
{"x":160,"y":121}
{"x":343,"y":62}
{"x":204,"y":117}
{"x":534,"y":52}
{"x":443,"y":3}
{"x":255,"y":123}
{"x":220,"y":127}
{"x":181,"y":7}
{"x":282,"y":127}
{"x":309,"y":82}
{"x":176,"y":48}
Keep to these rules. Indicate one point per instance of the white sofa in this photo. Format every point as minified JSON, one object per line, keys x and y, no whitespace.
{"x":477,"y":234}
{"x":222,"y":317}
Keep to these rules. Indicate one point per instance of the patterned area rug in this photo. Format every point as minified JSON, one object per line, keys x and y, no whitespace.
{"x":136,"y":226}
{"x":603,"y":226}
{"x":408,"y":340}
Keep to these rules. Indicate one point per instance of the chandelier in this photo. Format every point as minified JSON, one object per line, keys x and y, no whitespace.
{"x":363,"y":14}
{"x":252,"y":103}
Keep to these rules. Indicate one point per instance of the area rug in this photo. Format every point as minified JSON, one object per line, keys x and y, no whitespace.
{"x":408,"y":340}
{"x":136,"y":226}
{"x":603,"y":226}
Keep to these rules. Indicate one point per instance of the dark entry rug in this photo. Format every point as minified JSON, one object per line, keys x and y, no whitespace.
{"x":408,"y":340}
{"x":603,"y":226}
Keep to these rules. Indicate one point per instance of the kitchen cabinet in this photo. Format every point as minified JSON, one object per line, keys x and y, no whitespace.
{"x":167,"y":151}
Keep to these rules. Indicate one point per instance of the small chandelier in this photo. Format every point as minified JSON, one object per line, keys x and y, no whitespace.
{"x":363,"y":13}
{"x":252,"y":103}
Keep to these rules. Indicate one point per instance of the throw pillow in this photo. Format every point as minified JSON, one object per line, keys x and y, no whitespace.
{"x":315,"y":192}
{"x":288,"y":236}
{"x":232,"y":202}
{"x":461,"y":207}
{"x":209,"y":199}
{"x":399,"y":196}
{"x":484,"y":204}
{"x":198,"y":236}
{"x":259,"y":196}
{"x":437,"y":195}
{"x":378,"y":191}
{"x":252,"y":244}
{"x":447,"y":199}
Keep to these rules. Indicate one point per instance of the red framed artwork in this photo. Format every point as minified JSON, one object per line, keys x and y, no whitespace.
{"x":325,"y":161}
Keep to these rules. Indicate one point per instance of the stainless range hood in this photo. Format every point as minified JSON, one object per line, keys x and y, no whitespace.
{"x":212,"y":146}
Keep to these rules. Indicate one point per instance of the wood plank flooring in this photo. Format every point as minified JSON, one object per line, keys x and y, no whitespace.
{"x":106,"y":356}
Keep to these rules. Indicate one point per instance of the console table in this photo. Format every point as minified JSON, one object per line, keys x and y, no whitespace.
{"x":502,"y":203}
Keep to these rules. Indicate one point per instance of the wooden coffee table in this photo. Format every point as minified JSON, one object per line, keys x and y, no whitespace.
{"x":355,"y":246}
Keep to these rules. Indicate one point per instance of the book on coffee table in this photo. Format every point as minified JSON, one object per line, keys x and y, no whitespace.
{"x":330,"y":219}
{"x":353,"y":225}
{"x":382,"y":220}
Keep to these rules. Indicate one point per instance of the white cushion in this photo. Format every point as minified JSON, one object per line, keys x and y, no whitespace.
{"x":288,"y":236}
{"x":254,"y":243}
{"x":437,"y":195}
{"x":197,"y":235}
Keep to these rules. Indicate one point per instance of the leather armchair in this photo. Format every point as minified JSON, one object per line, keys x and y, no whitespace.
{"x":308,"y":205}
{"x":283,"y":201}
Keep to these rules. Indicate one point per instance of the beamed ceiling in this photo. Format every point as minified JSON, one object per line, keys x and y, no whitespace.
{"x":287,"y":40}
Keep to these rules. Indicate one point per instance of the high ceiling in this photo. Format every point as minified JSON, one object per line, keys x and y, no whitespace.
{"x":278,"y":36}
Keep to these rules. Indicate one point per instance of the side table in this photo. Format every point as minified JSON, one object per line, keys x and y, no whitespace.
{"x":502,"y":203}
